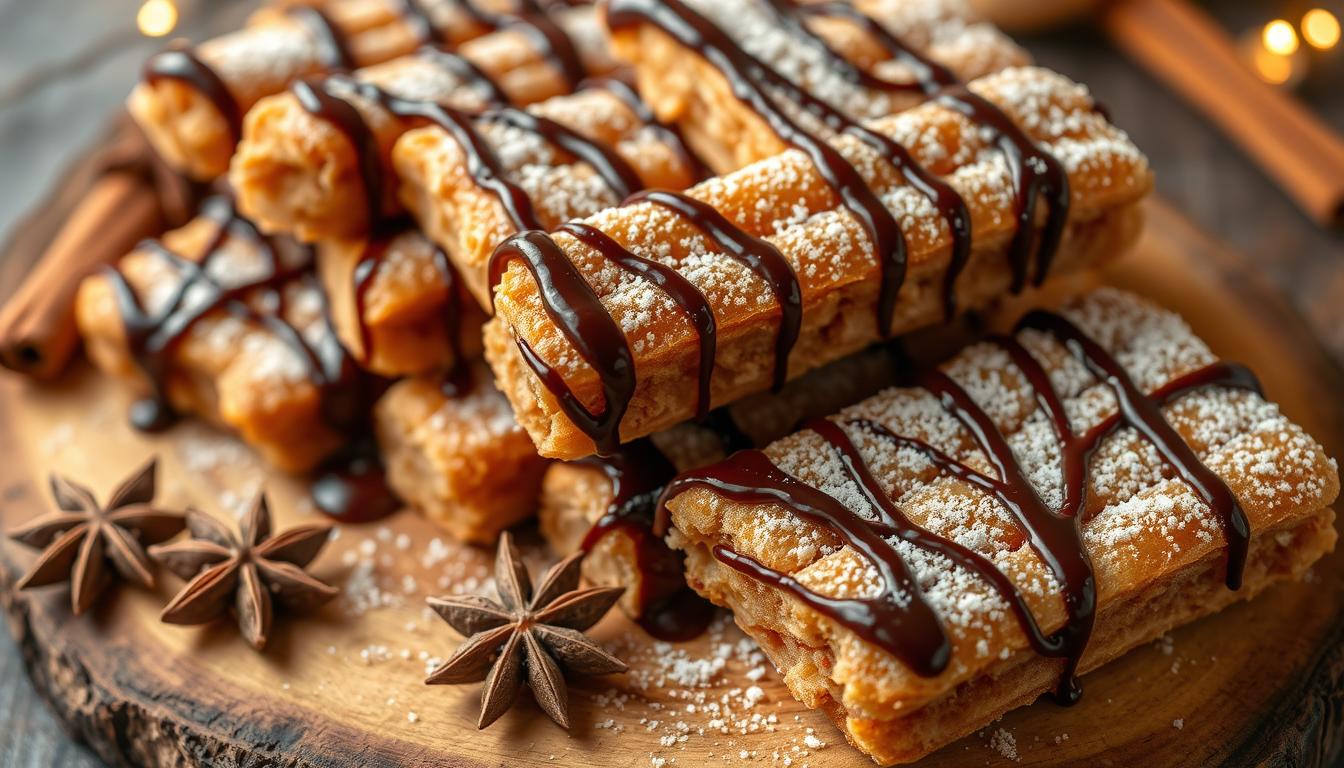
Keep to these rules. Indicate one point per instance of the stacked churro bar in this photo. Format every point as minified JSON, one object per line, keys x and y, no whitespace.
{"x":927,"y":559}
{"x":802,"y":263}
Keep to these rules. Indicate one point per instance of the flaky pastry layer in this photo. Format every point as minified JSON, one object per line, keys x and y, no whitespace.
{"x":785,"y":201}
{"x":1157,"y":550}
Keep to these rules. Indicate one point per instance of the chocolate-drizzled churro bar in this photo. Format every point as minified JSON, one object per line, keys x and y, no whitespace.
{"x":646,"y":314}
{"x":315,"y":161}
{"x":922,"y":562}
{"x":457,"y":454}
{"x":218,"y":321}
{"x":793,"y":45}
{"x":191,"y":101}
{"x":472,"y":183}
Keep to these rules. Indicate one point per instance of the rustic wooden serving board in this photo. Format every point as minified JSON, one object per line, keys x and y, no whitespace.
{"x":1259,"y":684}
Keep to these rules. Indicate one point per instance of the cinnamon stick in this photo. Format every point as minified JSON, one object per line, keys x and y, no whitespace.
{"x":109,"y":202}
{"x":1184,"y":48}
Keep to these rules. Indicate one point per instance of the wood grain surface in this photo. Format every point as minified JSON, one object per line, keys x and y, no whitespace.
{"x":1256,"y":684}
{"x":61,"y":76}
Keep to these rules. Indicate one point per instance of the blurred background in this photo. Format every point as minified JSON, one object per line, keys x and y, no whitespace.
{"x":65,"y":66}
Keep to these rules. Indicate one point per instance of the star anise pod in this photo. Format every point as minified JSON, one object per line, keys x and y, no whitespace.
{"x":527,"y":636}
{"x":246,"y":574}
{"x":78,"y":541}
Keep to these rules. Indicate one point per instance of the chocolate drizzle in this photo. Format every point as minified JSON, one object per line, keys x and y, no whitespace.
{"x":345,"y":392}
{"x":757,"y":255}
{"x":415,"y":14}
{"x":671,"y":135}
{"x":899,"y":620}
{"x":182,"y":64}
{"x":571,"y":304}
{"x":682,"y":292}
{"x":152,"y":336}
{"x":333,"y":50}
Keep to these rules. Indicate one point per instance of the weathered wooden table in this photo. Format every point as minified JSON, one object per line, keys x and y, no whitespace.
{"x":64,"y":64}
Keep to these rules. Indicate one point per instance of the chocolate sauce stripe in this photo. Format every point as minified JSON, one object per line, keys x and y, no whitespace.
{"x":757,"y":255}
{"x":900,"y":525}
{"x":1144,"y":415}
{"x":152,"y":336}
{"x":908,"y":626}
{"x":334,"y":48}
{"x":930,"y":76}
{"x":580,"y":316}
{"x":415,"y":14}
{"x":614,"y":170}
{"x":681,"y":291}
{"x":748,"y":78}
{"x":183,"y":65}
{"x":670,"y":134}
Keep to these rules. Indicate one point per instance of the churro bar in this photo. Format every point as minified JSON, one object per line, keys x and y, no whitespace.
{"x":217,"y":321}
{"x":647,"y":314}
{"x":471,"y":184}
{"x":397,"y":304}
{"x":796,"y":42}
{"x":924,"y":561}
{"x":191,"y":101}
{"x":315,"y":161}
{"x":458,"y":455}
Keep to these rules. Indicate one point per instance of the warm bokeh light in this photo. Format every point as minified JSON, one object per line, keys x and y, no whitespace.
{"x":1320,"y":29}
{"x":156,"y":18}
{"x":1279,"y":38}
{"x":1271,"y":67}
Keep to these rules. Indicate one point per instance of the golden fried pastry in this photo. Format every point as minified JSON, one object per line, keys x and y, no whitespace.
{"x":1037,"y":506}
{"x":314,"y":161}
{"x":458,"y":455}
{"x":770,"y":271}
{"x":563,"y":158}
{"x":219,"y":322}
{"x":397,"y":304}
{"x":874,"y":79}
{"x":191,"y":101}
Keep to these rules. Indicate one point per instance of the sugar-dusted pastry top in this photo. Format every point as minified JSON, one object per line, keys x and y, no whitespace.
{"x":218,"y":321}
{"x":869,"y":82}
{"x":472,"y":185}
{"x":191,"y":101}
{"x":315,"y":162}
{"x":1153,"y":508}
{"x":1083,"y":172}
